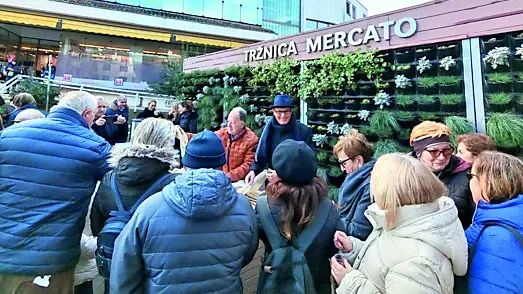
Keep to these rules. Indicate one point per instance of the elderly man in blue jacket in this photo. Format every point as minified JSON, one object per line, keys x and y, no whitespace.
{"x":192,"y":237}
{"x":48,"y":171}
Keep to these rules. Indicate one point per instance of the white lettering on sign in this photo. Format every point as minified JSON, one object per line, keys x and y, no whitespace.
{"x":403,"y":28}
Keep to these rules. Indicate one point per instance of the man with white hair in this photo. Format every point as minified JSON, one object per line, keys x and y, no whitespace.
{"x":48,"y":171}
{"x":28,"y":114}
{"x":103,"y":125}
{"x":120,"y":109}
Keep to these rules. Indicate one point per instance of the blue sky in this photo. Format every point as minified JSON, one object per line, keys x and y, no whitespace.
{"x":381,"y":6}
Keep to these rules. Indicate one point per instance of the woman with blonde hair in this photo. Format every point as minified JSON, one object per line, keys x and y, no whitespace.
{"x":150,"y":157}
{"x":354,"y":154}
{"x":431,"y":144}
{"x":418,"y":243}
{"x":496,"y":234}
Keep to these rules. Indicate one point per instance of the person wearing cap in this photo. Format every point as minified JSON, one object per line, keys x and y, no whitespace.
{"x":192,"y":237}
{"x":295,"y":195}
{"x":282,"y":126}
{"x":431,"y":144}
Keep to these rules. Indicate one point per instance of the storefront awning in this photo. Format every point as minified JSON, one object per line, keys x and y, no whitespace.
{"x":28,"y":19}
{"x":206,"y":41}
{"x":114,"y":30}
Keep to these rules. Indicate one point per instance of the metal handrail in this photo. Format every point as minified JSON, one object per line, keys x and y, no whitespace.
{"x":96,"y":89}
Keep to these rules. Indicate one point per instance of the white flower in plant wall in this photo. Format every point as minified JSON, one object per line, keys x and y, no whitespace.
{"x":363,"y":114}
{"x":333,"y":128}
{"x":497,"y":57}
{"x":211,"y":81}
{"x":237,"y":89}
{"x":402,"y":82}
{"x":423,"y":64}
{"x":447,"y":63}
{"x":260,"y":118}
{"x":320,"y":139}
{"x":253,"y":108}
{"x":345,"y":129}
{"x":206,"y":90}
{"x":243,"y":98}
{"x":519,"y":51}
{"x":382,"y":99}
{"x":267,"y":119}
{"x":199,"y":96}
{"x":226,"y":79}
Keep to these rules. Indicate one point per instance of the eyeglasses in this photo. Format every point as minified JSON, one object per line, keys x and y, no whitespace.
{"x":342,"y":163}
{"x":282,"y":112}
{"x":446,"y":152}
{"x":470,"y":176}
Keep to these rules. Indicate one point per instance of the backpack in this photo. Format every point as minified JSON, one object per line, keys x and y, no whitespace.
{"x":285,"y":268}
{"x":116,"y":223}
{"x":461,"y":284}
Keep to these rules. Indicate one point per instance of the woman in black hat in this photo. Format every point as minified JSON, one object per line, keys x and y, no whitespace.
{"x":282,"y":126}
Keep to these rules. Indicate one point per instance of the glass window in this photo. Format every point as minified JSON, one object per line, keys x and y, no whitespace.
{"x":364,"y":15}
{"x":311,"y":25}
{"x":322,"y":25}
{"x":282,"y":17}
{"x":354,"y":15}
{"x":347,"y":7}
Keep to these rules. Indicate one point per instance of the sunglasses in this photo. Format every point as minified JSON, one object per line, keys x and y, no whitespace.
{"x":447,"y":152}
{"x":470,"y":176}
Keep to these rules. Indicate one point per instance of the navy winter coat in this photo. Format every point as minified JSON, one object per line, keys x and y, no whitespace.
{"x":497,"y":265}
{"x":353,"y":200}
{"x":193,"y":237}
{"x":48,"y":171}
{"x":120,"y":131}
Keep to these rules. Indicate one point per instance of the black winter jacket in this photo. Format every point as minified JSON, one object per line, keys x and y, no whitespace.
{"x":320,"y":250}
{"x":134,"y":176}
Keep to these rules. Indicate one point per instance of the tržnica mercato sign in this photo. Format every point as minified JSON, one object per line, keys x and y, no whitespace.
{"x":331,"y":41}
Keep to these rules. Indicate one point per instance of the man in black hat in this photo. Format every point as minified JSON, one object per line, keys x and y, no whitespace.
{"x":282,"y":126}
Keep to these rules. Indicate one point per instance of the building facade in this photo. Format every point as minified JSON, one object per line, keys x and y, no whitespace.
{"x":110,"y":44}
{"x":320,"y":14}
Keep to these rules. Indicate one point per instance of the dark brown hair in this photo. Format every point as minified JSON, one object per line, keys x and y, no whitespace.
{"x":300,"y":203}
{"x":187,"y":105}
{"x":476,"y":143}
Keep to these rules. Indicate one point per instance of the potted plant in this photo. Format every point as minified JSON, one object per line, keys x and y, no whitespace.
{"x":498,"y":57}
{"x":428,"y":52}
{"x":446,"y":64}
{"x":426,"y":103}
{"x":518,"y":82}
{"x":506,"y":129}
{"x":452,"y":102}
{"x":406,"y":119}
{"x":405,"y":69}
{"x":447,"y":50}
{"x":368,"y":90}
{"x":352,"y":104}
{"x":365,"y":104}
{"x":424,"y":65}
{"x":338,"y":118}
{"x":333,"y":128}
{"x":499,"y":102}
{"x":363,"y":115}
{"x":322,"y":157}
{"x":427,"y":116}
{"x":406,"y":102}
{"x":517,"y":59}
{"x":428,"y":85}
{"x":384,"y":124}
{"x":404,"y":137}
{"x":385,"y":147}
{"x":401,"y":82}
{"x":449,"y":84}
{"x":345,"y":129}
{"x":335,"y":176}
{"x":499,"y":82}
{"x":352,"y":119}
{"x":382,"y":99}
{"x":323,"y":117}
{"x":458,"y":126}
{"x":320,"y":139}
{"x":367,"y":131}
{"x":404,"y":56}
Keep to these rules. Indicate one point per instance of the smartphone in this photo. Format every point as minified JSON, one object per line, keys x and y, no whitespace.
{"x":114,"y":117}
{"x":340,"y":259}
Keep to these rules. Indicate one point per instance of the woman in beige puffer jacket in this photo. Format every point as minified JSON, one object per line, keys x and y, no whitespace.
{"x":417,"y":244}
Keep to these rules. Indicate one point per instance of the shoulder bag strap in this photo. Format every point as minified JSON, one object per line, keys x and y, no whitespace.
{"x":152,"y":189}
{"x":311,"y":232}
{"x":269,"y":226}
{"x":116,"y":194}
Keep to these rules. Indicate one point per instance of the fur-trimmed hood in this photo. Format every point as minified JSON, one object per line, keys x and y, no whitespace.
{"x":143,"y":151}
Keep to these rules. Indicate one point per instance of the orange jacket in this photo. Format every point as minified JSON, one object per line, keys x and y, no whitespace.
{"x":239,"y":153}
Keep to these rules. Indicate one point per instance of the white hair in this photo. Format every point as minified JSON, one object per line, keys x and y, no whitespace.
{"x":79,"y":101}
{"x":241,"y":113}
{"x":121,"y":97}
{"x":28,"y":114}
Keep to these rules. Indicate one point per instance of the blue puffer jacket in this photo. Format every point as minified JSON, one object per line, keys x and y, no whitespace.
{"x":497,"y":265}
{"x":353,"y":200}
{"x":193,"y":237}
{"x":48,"y":171}
{"x":12,"y":116}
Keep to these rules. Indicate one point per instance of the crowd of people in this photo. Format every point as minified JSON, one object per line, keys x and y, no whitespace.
{"x":444,"y":218}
